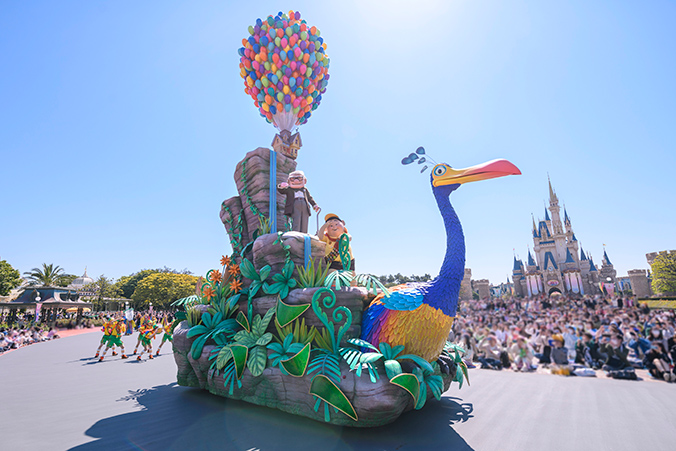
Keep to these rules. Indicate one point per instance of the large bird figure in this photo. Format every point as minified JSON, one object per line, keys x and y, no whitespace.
{"x":420,"y":315}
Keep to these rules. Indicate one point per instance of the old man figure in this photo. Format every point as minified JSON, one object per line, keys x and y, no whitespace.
{"x":298,"y":200}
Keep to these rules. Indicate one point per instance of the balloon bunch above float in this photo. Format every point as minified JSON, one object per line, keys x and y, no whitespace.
{"x":285,"y":69}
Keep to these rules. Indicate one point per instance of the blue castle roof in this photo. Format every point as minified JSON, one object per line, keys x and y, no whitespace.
{"x":531,"y":262}
{"x":546,"y":214}
{"x":606,"y":260}
{"x":549,"y":259}
{"x":592,"y":267}
{"x":582,"y":255}
{"x":517,"y":264}
{"x":569,"y":256}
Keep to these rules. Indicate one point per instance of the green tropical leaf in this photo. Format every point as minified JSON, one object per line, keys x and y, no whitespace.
{"x":197,"y":330}
{"x":239,"y":355}
{"x":297,"y":365}
{"x":392,"y":368}
{"x":197,"y":345}
{"x":362,"y":343}
{"x":243,"y":321}
{"x":247,"y":269}
{"x":264,"y":339}
{"x":257,"y":360}
{"x":260,"y":326}
{"x":323,"y":388}
{"x":409,"y":383}
{"x":265,"y":271}
{"x":422,"y":363}
{"x":245,"y":338}
{"x":224,"y":356}
{"x":287,"y":313}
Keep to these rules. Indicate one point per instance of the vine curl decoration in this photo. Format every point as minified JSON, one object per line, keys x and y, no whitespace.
{"x":338,"y":315}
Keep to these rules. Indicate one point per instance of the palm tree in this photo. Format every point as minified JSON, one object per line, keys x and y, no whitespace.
{"x":49,"y":275}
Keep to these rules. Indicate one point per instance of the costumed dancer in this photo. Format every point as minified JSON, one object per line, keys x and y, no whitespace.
{"x":333,"y":232}
{"x":104,"y":339}
{"x":116,"y":330}
{"x":168,"y":333}
{"x":146,"y":339}
{"x":298,"y":200}
{"x":145,"y":324}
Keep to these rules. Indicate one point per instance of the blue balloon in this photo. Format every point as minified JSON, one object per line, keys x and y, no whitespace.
{"x":420,"y":150}
{"x":274,"y":79}
{"x":258,"y":84}
{"x":273,"y":110}
{"x":264,"y":40}
{"x":259,"y":22}
{"x":282,"y":55}
{"x":252,"y":41}
{"x":287,"y":107}
{"x":241,"y":51}
{"x":271,"y":46}
{"x":256,"y":48}
{"x":292,"y":82}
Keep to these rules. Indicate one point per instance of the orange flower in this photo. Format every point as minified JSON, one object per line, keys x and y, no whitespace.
{"x":208,"y":292}
{"x":225,"y":260}
{"x":236,"y":286}
{"x":215,"y":276}
{"x":233,"y":269}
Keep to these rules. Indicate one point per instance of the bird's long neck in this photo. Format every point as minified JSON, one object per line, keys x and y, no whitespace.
{"x":444,"y":290}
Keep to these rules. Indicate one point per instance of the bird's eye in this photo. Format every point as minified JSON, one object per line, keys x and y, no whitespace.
{"x":439,"y":170}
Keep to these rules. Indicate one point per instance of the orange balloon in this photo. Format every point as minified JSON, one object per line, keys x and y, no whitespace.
{"x":311,"y":89}
{"x":306,"y":57}
{"x":313,"y":31}
{"x":268,"y":99}
{"x":266,"y":107}
{"x":280,"y":107}
{"x":294,"y":73}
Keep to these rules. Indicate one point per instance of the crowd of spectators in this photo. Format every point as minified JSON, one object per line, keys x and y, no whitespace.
{"x":15,"y":337}
{"x":568,"y":336}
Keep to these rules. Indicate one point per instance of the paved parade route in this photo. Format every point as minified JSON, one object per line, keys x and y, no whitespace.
{"x":56,"y":396}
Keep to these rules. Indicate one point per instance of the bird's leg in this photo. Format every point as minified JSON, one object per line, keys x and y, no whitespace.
{"x":447,"y":365}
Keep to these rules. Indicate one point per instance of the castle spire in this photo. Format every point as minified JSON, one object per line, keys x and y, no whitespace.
{"x":552,"y":195}
{"x":606,"y":260}
{"x":546,"y":214}
{"x":582,"y":255}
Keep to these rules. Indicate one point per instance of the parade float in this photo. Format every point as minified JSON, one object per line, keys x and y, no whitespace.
{"x":287,"y":322}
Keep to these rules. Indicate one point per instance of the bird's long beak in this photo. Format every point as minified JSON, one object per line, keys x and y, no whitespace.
{"x":489,"y":170}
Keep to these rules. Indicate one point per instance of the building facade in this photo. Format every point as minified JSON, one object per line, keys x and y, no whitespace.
{"x":558,"y":264}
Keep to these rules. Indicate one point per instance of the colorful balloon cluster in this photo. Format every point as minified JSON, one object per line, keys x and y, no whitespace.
{"x":285,"y":69}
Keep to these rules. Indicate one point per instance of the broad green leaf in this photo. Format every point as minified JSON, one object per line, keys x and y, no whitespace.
{"x":287,"y":313}
{"x":265,"y":321}
{"x":362,"y":343}
{"x":265,"y":271}
{"x":197,"y":330}
{"x":409,"y":383}
{"x":224,"y":356}
{"x":248,"y":270}
{"x":297,"y":365}
{"x":257,"y":360}
{"x":264,"y":339}
{"x":392,"y":368}
{"x":243,"y":321}
{"x":422,"y":363}
{"x":323,"y":388}
{"x":239,"y":355}
{"x":370,"y":357}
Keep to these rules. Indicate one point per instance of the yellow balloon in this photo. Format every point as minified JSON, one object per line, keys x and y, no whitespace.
{"x":273,"y":68}
{"x":265,"y":106}
{"x":286,"y":89}
{"x":309,"y":99}
{"x":249,"y":81}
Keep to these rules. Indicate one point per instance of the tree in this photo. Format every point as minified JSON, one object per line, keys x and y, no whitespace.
{"x":162,"y":288}
{"x":104,"y":288}
{"x":127,"y":284}
{"x":49,"y":275}
{"x":65,"y":280}
{"x":664,"y":273}
{"x":10,"y":278}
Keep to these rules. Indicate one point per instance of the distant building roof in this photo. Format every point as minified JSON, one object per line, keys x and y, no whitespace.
{"x":82,"y":281}
{"x":606,"y":260}
{"x":582,"y":255}
{"x":517,"y":264}
{"x":592,"y":267}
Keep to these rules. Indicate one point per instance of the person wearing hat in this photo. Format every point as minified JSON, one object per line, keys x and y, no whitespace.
{"x":330,"y":233}
{"x":298,"y":200}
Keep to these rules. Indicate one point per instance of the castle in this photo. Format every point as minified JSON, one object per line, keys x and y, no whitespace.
{"x":558,"y":266}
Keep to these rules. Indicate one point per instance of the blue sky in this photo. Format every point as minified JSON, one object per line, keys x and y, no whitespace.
{"x":122,"y":123}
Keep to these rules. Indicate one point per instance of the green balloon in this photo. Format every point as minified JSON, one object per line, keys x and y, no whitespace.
{"x":308,"y":72}
{"x":278,"y":42}
{"x":265,"y":81}
{"x":289,"y":31}
{"x":251,"y":30}
{"x":279,"y":74}
{"x":303,"y":35}
{"x":280,"y":96}
{"x":319,"y":33}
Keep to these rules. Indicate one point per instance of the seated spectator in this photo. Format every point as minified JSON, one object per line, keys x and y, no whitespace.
{"x":617,"y":366}
{"x":491,"y":354}
{"x":469,"y":345}
{"x":658,"y":362}
{"x":587,"y":352}
{"x":559,"y":356}
{"x":570,"y":341}
{"x":542,"y":347}
{"x":521,"y":353}
{"x":638,"y":345}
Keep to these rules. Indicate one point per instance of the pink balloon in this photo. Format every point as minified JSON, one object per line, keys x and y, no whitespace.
{"x":293,"y":65}
{"x":285,"y":80}
{"x":284,"y":42}
{"x":303,"y":69}
{"x":296,"y":103}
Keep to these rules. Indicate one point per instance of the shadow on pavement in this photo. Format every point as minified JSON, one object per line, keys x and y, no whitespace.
{"x":180,"y":418}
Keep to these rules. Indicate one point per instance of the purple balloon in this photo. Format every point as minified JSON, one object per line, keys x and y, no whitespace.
{"x":305,"y":93}
{"x":311,"y":47}
{"x":280,"y":85}
{"x":257,"y":29}
{"x":287,"y":72}
{"x":277,"y":50}
{"x":327,"y":76}
{"x":297,"y":15}
{"x":287,"y":99}
{"x":303,"y":45}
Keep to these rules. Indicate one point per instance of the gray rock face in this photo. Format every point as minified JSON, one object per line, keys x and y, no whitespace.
{"x":252,"y":177}
{"x":267,"y":252}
